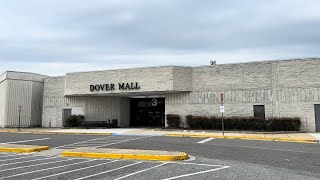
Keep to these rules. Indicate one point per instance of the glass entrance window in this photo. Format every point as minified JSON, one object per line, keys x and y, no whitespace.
{"x":147,"y":112}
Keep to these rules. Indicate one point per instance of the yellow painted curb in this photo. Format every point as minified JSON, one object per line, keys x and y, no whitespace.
{"x":148,"y":157}
{"x":23,"y":150}
{"x":244,"y":137}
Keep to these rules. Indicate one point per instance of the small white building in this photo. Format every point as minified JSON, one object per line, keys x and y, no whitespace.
{"x":24,"y":90}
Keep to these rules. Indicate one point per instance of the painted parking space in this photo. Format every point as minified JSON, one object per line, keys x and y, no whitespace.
{"x":205,"y":140}
{"x":281,"y":160}
{"x":42,"y":167}
{"x":100,"y":142}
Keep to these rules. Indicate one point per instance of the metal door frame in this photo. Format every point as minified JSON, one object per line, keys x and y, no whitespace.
{"x":63,"y":118}
{"x":317,"y":118}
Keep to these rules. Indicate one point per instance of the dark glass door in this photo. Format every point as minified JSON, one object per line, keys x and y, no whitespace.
{"x":147,"y":111}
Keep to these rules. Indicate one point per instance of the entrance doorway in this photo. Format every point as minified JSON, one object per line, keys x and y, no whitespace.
{"x":317,"y":116}
{"x":147,"y":112}
{"x":65,"y":114}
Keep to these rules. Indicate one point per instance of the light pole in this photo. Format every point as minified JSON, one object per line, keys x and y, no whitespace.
{"x":19,"y":117}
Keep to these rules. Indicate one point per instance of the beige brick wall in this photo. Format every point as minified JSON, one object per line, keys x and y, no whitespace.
{"x":286,"y":88}
{"x":94,"y":108}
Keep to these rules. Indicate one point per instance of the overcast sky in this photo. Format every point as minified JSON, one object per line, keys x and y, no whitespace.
{"x":53,"y":37}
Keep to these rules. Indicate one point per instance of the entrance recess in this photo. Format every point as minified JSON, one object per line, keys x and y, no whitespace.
{"x":147,"y":112}
{"x":65,"y":114}
{"x":317,"y":115}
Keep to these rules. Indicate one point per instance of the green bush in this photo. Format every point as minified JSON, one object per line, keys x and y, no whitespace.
{"x":190,"y":121}
{"x":284,"y":124}
{"x":173,"y":120}
{"x":244,"y":123}
{"x":199,"y":122}
{"x":74,"y":120}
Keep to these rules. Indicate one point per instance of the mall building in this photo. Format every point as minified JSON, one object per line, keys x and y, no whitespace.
{"x":143,"y":96}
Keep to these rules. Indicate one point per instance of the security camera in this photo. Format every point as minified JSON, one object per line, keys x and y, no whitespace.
{"x":213,"y":63}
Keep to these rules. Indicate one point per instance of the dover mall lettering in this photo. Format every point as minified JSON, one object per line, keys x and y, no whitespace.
{"x":110,"y":87}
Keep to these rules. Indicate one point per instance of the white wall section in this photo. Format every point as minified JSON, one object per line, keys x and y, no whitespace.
{"x":25,"y":90}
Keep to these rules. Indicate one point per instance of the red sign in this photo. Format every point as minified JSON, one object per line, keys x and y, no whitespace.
{"x":221,"y":97}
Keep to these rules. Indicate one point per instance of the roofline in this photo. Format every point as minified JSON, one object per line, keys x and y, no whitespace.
{"x":173,"y":66}
{"x":146,"y":67}
{"x":277,"y":60}
{"x":25,"y":72}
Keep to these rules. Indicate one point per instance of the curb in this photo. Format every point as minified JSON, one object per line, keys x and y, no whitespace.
{"x":151,"y":135}
{"x":23,"y":150}
{"x":131,"y":156}
{"x":244,"y":138}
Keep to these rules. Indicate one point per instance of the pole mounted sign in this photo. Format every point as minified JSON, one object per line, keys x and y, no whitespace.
{"x":222,"y":111}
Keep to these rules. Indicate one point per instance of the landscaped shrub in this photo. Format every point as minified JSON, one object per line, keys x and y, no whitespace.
{"x":244,"y":123}
{"x":173,"y":120}
{"x":190,"y":121}
{"x":284,"y":124}
{"x":74,"y":120}
{"x":215,"y":122}
{"x":198,"y":122}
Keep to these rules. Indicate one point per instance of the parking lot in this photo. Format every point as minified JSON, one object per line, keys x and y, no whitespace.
{"x":17,"y":166}
{"x":210,"y":159}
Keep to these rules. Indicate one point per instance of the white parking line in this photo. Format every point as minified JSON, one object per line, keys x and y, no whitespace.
{"x":79,"y":145}
{"x":205,"y":140}
{"x":46,"y":169}
{"x":200,"y":172}
{"x":123,"y":141}
{"x":183,"y":163}
{"x":9,"y":155}
{"x":25,"y":141}
{"x":30,"y":156}
{"x":75,"y":170}
{"x":316,"y":136}
{"x":80,"y":142}
{"x":35,"y":165}
{"x":27,"y":161}
{"x":141,"y":171}
{"x":104,"y":172}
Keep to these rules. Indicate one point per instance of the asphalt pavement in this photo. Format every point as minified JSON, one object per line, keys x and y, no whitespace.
{"x":210,"y":159}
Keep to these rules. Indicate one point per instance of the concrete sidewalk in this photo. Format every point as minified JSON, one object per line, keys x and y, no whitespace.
{"x":268,"y":136}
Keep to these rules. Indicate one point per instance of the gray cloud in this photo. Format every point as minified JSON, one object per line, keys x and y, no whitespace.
{"x":77,"y":35}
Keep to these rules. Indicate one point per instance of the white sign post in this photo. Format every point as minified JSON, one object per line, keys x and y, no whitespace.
{"x":222,"y":111}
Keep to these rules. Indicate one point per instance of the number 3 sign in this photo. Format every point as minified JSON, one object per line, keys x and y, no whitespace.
{"x":154,"y":102}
